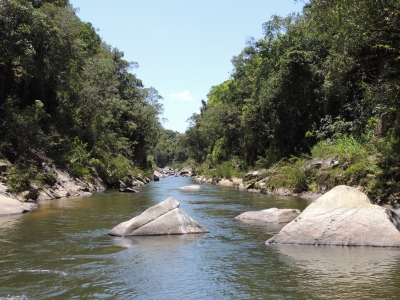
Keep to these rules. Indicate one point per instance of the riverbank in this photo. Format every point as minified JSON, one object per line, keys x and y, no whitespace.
{"x":366,"y":164}
{"x":239,"y":183}
{"x":42,"y":180}
{"x":51,"y":182}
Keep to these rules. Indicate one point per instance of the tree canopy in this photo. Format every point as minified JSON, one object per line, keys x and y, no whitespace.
{"x":67,"y":92}
{"x":332,"y":69}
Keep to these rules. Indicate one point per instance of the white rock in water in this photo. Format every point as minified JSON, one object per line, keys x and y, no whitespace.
{"x":271,"y":215}
{"x":344,"y":216}
{"x":190,"y":188}
{"x":162,"y":219}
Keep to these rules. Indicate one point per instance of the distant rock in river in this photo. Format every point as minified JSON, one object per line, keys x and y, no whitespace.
{"x":162,"y":219}
{"x":271,"y":215}
{"x":190,"y":187}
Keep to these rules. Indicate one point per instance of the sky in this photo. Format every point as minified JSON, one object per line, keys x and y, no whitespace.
{"x":183,"y":47}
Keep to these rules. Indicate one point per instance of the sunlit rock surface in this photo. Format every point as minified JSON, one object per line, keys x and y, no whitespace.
{"x":9,"y":205}
{"x":162,"y":219}
{"x":343,"y":216}
{"x":271,"y":215}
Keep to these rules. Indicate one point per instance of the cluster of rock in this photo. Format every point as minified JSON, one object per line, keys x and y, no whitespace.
{"x":205,"y":179}
{"x":159,"y":173}
{"x":169,"y":171}
{"x":344,"y":216}
{"x":185,"y":172}
{"x":232,"y":182}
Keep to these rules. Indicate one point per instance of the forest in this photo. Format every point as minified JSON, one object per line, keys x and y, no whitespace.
{"x":71,"y":95}
{"x":321,"y":84}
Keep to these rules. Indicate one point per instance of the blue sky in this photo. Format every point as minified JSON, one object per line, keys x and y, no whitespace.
{"x":183,"y":47}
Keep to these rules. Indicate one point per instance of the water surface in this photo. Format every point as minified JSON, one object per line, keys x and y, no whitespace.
{"x":62,"y":251}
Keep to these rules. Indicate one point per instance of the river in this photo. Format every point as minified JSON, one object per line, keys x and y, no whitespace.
{"x":62,"y":251}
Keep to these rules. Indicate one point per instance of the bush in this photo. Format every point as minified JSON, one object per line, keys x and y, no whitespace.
{"x":78,"y":158}
{"x":291,"y":175}
{"x":227,"y":169}
{"x":25,"y":172}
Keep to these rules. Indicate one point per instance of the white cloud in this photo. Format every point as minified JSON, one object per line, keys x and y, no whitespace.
{"x":183,"y":96}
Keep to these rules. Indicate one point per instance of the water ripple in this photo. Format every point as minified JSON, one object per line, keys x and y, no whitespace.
{"x":38,"y":272}
{"x":62,"y":251}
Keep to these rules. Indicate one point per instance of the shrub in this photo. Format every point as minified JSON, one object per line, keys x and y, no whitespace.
{"x":78,"y":158}
{"x":24,"y":172}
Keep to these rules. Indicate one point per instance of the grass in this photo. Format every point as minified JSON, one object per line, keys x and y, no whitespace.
{"x":358,"y":165}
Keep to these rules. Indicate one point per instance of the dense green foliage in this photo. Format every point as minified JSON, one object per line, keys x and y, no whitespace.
{"x":68,"y":93}
{"x":169,"y":149}
{"x":316,"y":85}
{"x":333,"y":69}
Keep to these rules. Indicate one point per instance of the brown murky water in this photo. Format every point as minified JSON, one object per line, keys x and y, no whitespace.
{"x":62,"y":251}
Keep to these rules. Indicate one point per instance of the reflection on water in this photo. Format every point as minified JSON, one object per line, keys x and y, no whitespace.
{"x":62,"y":251}
{"x":145,"y":243}
{"x":335,"y":263}
{"x":10,"y":221}
{"x":349,"y":272}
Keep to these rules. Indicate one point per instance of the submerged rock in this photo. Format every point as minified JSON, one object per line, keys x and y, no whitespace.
{"x":190,"y":188}
{"x":271,"y":215}
{"x":344,"y":217}
{"x":162,"y":219}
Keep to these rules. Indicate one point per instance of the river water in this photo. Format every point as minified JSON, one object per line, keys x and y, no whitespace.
{"x":62,"y":251}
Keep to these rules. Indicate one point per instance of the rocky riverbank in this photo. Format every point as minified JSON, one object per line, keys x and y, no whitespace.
{"x":57,"y":183}
{"x":248,"y":183}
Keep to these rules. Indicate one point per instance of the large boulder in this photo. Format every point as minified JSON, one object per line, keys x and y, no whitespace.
{"x":9,"y":205}
{"x":162,"y":219}
{"x":344,"y":216}
{"x":169,"y":171}
{"x":271,"y":215}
